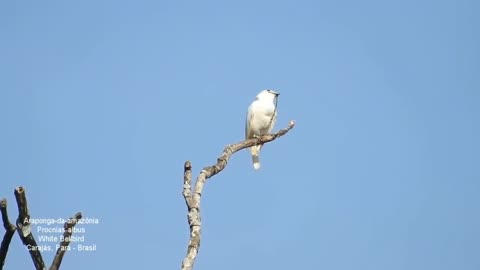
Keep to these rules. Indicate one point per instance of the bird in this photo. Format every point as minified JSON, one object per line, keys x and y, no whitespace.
{"x":261,"y":117}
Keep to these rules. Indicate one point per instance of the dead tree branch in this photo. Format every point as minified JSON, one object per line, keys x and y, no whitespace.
{"x":192,"y":200}
{"x":9,"y":231}
{"x":68,"y":230}
{"x":25,"y":230}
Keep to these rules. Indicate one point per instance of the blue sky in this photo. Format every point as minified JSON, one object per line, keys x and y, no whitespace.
{"x":101,"y":102}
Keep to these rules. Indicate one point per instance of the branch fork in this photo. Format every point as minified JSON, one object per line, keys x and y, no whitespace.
{"x":193,"y":196}
{"x":23,"y":228}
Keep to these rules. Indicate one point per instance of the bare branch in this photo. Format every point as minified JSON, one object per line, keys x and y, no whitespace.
{"x":187,"y":182}
{"x":9,"y":231}
{"x":67,"y":234}
{"x":193,"y":200}
{"x":193,"y":218}
{"x":24,"y":229}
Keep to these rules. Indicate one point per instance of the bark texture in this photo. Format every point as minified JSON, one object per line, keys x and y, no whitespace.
{"x":25,"y":231}
{"x":9,"y":231}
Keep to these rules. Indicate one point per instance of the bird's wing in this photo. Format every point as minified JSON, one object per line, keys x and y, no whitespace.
{"x":248,"y":122}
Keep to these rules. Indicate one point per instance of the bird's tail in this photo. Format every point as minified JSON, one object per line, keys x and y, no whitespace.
{"x":255,"y":150}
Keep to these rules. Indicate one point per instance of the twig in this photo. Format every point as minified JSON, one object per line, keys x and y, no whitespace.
{"x":193,"y":200}
{"x":67,"y":234}
{"x":9,"y":231}
{"x":24,"y":229}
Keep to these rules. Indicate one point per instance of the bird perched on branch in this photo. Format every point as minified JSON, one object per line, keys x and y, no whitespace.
{"x":261,"y":117}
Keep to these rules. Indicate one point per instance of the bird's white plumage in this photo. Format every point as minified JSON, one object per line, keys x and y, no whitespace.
{"x":261,"y":117}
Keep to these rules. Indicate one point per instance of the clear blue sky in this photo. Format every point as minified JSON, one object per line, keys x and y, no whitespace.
{"x":101,"y":102}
